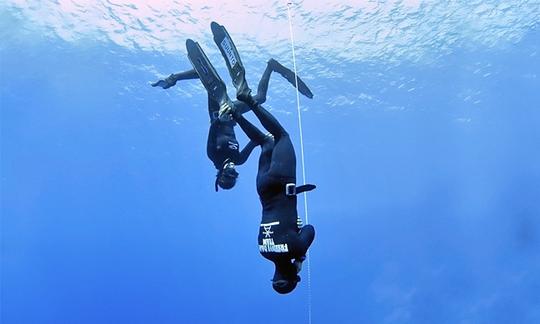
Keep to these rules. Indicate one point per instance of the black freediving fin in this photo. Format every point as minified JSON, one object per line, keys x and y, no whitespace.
{"x":289,"y":76}
{"x":305,"y":187}
{"x":229,"y":52}
{"x":291,"y":189}
{"x":209,"y":77}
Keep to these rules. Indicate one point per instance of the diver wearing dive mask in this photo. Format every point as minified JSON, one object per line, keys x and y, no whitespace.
{"x":222,"y":143}
{"x":227,"y":175}
{"x":281,"y":239}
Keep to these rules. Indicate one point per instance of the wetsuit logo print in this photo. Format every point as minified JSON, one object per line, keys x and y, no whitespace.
{"x":267,"y":231}
{"x":268,"y":244}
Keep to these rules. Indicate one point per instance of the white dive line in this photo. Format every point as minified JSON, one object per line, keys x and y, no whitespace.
{"x":302,"y":151}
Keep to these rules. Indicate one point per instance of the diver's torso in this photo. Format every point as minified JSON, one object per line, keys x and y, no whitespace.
{"x":227,"y":146}
{"x":278,"y":228}
{"x":270,"y":186}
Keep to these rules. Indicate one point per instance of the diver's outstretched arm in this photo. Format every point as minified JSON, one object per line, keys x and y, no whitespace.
{"x":246,"y":152}
{"x":275,"y":66}
{"x":171,"y":79}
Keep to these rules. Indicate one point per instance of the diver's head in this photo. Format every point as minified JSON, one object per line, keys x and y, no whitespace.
{"x":226,"y":177}
{"x":285,"y":278}
{"x":283,"y":286}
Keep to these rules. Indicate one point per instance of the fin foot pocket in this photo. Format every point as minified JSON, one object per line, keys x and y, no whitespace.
{"x":247,"y":98}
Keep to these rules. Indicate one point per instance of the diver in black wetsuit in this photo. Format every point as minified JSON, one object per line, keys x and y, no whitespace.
{"x":281,"y":239}
{"x":222,"y":147}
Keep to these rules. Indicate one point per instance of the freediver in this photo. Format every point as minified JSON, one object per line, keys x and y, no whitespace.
{"x":282,"y":239}
{"x":222,"y":147}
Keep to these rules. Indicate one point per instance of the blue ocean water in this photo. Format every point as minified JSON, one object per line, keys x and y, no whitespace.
{"x":425,"y":155}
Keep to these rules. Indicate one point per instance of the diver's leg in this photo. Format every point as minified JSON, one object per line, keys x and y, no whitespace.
{"x":283,"y":164}
{"x":186,"y":75}
{"x":213,"y":109}
{"x":171,"y":79}
{"x":306,"y":236}
{"x":251,"y":130}
{"x":288,"y":74}
{"x":241,"y":107}
{"x":269,"y":121}
{"x":265,"y":160}
{"x":262,"y":89}
{"x":300,"y":245}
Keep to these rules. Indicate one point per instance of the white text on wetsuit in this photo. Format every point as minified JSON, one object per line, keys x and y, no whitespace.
{"x":268,"y":244}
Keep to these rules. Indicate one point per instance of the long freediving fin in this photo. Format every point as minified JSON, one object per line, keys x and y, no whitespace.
{"x":229,"y":52}
{"x":290,"y":76}
{"x":209,"y":77}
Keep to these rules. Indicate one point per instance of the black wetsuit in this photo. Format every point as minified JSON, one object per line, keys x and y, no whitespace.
{"x":280,"y":239}
{"x":222,"y":143}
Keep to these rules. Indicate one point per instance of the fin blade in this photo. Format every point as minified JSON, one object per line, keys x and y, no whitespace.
{"x":232,"y":59}
{"x":305,"y":187}
{"x":207,"y":74}
{"x":289,"y":75}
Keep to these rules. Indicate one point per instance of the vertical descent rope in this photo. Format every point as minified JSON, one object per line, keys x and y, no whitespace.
{"x":302,"y":152}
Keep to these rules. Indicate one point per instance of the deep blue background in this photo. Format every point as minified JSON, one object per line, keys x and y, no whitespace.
{"x":424,"y":214}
